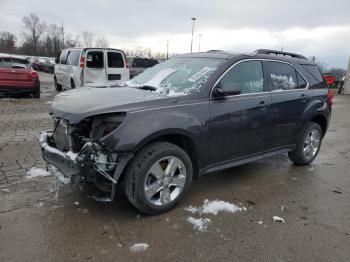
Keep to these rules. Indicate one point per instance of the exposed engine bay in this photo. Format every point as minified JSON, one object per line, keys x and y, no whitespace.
{"x":77,"y":153}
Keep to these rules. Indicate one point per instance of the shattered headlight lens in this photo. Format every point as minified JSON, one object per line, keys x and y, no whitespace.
{"x":105,"y":124}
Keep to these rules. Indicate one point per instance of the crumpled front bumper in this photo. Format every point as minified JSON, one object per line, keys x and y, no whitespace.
{"x":63,"y":165}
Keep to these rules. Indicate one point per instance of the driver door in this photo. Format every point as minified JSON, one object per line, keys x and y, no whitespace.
{"x":239,"y":123}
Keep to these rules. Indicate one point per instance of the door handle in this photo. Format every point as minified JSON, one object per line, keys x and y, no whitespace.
{"x":261,"y":103}
{"x":304,"y":97}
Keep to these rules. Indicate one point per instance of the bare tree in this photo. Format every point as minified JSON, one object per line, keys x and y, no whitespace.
{"x":87,"y":39}
{"x":7,"y":42}
{"x":101,"y":42}
{"x":55,"y":34}
{"x":35,"y":28}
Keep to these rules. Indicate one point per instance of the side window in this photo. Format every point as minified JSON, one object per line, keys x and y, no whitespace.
{"x":281,"y":76}
{"x":301,"y":82}
{"x":139,"y":62}
{"x":314,"y":71}
{"x":95,"y":59}
{"x":115,"y":60}
{"x":5,"y":62}
{"x":247,"y":76}
{"x":73,"y":57}
{"x":63,"y":58}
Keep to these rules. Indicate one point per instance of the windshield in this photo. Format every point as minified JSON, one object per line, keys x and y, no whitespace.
{"x":177,"y":76}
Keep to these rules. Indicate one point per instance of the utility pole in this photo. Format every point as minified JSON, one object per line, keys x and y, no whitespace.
{"x":62,"y":35}
{"x":167,"y":49}
{"x":199,"y":42}
{"x":193,"y":19}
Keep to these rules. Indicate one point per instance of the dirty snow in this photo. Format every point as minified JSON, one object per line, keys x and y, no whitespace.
{"x":6,"y":190}
{"x":278,"y":219}
{"x":76,"y":203}
{"x":59,"y":175}
{"x":37,"y":172}
{"x":200,"y":224}
{"x":214,"y":207}
{"x":139,"y":247}
{"x":260,"y":222}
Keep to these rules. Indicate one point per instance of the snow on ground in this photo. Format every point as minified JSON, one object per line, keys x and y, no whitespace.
{"x":37,"y":172}
{"x":278,"y":219}
{"x":214,"y":207}
{"x":210,"y":207}
{"x":199,"y":223}
{"x":139,"y":247}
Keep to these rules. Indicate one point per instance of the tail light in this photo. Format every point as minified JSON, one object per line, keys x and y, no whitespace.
{"x":34,"y":75}
{"x":330,"y":96}
{"x":82,"y":62}
{"x":126,"y":63}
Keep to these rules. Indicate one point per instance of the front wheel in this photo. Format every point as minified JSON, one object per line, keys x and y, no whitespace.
{"x":57,"y":85}
{"x":308,"y":144}
{"x":158,"y":177}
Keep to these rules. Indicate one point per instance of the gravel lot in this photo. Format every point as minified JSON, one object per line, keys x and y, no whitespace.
{"x":38,"y":222}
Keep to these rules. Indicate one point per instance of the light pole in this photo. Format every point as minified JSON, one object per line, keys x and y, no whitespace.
{"x":193,"y":19}
{"x":167,"y":49}
{"x":199,"y":42}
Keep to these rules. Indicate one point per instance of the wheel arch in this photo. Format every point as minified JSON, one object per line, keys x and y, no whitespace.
{"x":176,"y":137}
{"x":322,"y":121}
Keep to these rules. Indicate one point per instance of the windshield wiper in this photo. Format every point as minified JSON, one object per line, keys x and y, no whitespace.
{"x":147,"y":87}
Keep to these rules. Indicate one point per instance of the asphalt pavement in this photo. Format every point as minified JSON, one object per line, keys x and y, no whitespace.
{"x":40,"y":221}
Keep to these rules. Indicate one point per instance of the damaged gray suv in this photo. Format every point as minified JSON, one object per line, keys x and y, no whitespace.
{"x":188,"y":116}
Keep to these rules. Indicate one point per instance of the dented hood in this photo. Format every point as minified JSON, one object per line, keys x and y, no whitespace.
{"x":75,"y":105}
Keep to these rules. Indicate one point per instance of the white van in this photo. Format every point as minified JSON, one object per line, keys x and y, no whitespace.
{"x":76,"y":67}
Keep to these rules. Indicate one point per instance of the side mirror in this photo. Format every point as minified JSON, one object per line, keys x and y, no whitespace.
{"x":227,"y":89}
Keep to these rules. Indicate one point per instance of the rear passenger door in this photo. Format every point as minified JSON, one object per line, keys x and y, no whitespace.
{"x":289,"y":98}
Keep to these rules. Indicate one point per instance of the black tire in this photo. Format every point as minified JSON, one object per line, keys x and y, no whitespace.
{"x":72,"y":85}
{"x":136,"y":175}
{"x":298,"y":155}
{"x":57,"y":85}
{"x":36,"y":94}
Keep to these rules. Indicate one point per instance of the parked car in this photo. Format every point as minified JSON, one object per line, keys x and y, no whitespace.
{"x":188,"y":116}
{"x":18,"y":77}
{"x":138,"y":64}
{"x":49,"y":65}
{"x":76,"y":67}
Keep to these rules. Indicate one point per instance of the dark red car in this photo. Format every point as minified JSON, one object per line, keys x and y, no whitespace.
{"x":17,"y":76}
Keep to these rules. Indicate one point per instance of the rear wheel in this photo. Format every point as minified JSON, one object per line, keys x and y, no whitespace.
{"x":57,"y":85}
{"x":158,"y":177}
{"x":308,"y":144}
{"x":36,"y":93}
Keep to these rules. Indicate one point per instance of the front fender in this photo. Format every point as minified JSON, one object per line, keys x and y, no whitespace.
{"x":144,"y":126}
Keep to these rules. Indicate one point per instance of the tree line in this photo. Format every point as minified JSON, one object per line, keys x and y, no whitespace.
{"x":42,"y":39}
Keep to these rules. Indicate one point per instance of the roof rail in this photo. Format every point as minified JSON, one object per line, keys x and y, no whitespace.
{"x":276,"y":52}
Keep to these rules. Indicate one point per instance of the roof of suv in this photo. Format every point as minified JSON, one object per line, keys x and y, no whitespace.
{"x":261,"y":54}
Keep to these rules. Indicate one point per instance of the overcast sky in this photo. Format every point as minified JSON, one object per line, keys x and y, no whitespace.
{"x":314,"y":28}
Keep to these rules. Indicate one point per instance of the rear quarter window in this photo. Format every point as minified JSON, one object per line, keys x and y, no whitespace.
{"x":314,"y":71}
{"x":73,"y":57}
{"x":5,"y":62}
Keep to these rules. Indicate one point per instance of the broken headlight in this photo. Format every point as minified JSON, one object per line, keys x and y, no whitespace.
{"x":104,"y":124}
